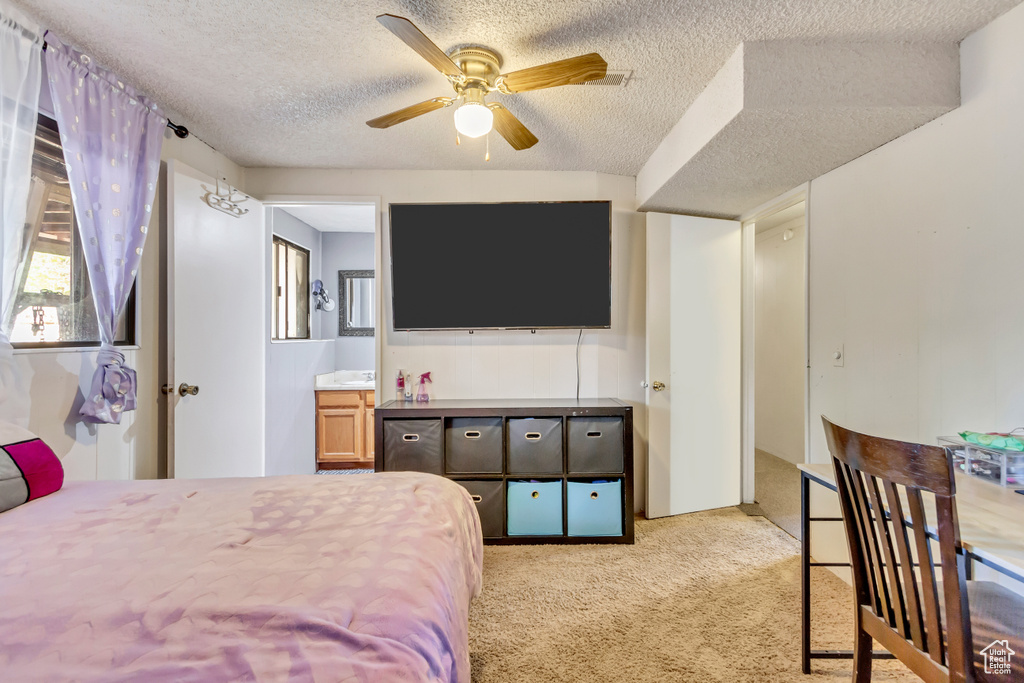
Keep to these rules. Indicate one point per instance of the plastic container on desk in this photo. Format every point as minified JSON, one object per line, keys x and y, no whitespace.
{"x":995,"y":465}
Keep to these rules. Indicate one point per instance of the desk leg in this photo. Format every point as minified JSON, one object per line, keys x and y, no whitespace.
{"x":805,"y":573}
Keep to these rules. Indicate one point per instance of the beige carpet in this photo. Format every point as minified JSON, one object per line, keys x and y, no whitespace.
{"x":711,"y":596}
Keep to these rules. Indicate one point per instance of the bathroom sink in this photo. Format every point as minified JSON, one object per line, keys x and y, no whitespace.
{"x":342,"y":380}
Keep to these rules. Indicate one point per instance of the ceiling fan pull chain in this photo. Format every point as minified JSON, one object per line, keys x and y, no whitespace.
{"x":487,"y":155}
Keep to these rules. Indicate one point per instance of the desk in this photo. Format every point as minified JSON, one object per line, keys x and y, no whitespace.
{"x":991,"y":532}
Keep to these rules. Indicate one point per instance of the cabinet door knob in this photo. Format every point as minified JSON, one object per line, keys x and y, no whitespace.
{"x":658,"y":386}
{"x":188,"y":389}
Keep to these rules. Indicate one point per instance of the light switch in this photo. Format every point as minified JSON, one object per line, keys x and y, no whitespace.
{"x":839,"y":356}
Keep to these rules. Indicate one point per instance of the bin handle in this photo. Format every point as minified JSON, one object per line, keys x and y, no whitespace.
{"x":473,"y":435}
{"x":477,"y":499}
{"x":594,"y":435}
{"x":533,"y":436}
{"x":593,"y":494}
{"x":410,"y":437}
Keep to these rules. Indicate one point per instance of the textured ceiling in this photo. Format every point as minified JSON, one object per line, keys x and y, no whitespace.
{"x":288,"y":83}
{"x":782,"y":112}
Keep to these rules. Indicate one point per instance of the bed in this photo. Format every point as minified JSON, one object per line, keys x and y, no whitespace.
{"x":300,"y":578}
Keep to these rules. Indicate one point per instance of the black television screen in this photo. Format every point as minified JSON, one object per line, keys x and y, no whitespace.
{"x":501,"y":266}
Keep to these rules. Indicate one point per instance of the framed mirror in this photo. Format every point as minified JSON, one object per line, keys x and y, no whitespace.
{"x":357,"y":303}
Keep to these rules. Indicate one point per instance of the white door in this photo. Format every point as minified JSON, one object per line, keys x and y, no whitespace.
{"x":693,"y":363}
{"x":216,"y":308}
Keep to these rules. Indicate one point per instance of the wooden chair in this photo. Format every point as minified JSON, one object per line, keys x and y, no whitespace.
{"x":897,"y":581}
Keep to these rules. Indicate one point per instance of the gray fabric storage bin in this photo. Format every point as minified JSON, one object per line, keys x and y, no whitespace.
{"x":535,"y":445}
{"x":595,"y":444}
{"x":473,"y":445}
{"x":489,"y":497}
{"x":413,"y":445}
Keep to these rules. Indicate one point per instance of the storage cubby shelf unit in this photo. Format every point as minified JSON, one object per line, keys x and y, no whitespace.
{"x":539,"y":470}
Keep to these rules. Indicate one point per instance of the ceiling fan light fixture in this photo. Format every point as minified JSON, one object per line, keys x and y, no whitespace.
{"x":473,"y":119}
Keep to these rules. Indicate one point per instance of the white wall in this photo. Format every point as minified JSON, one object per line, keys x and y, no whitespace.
{"x":505,"y":364}
{"x":291,"y":407}
{"x":779,"y":341}
{"x":56,"y":381}
{"x":915,"y":254}
{"x":348,"y":251}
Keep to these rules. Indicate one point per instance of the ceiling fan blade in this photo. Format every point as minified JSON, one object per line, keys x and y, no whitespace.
{"x":511,"y":128}
{"x":414,"y":38}
{"x":412,"y":112}
{"x":566,"y":72}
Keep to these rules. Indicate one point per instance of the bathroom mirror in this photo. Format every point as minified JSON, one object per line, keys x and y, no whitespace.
{"x":357,"y":303}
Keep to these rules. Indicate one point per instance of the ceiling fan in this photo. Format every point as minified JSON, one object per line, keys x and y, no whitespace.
{"x":474,"y":72}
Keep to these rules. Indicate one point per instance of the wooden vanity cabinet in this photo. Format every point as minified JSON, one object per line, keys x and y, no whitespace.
{"x":344,"y":429}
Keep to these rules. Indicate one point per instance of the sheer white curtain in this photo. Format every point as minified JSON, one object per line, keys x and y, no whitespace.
{"x":20,"y":76}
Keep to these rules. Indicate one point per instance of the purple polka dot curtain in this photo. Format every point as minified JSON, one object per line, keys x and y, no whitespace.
{"x":112,"y":137}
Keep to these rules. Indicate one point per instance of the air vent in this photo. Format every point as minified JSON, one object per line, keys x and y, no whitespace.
{"x":614,"y":79}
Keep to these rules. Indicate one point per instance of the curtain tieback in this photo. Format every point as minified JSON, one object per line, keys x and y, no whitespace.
{"x":113,"y":388}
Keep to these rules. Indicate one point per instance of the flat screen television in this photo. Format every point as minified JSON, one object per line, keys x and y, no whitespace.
{"x":516,"y":265}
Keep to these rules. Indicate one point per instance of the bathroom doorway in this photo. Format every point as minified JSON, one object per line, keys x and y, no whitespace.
{"x":322,"y":356}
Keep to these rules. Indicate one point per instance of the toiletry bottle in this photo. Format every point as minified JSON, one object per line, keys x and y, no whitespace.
{"x":400,"y":387}
{"x":421,"y":391}
{"x":408,"y":386}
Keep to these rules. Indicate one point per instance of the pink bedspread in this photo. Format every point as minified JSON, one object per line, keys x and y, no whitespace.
{"x":326,"y":578}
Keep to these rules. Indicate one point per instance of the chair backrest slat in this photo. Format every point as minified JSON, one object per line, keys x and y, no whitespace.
{"x":929,"y":591}
{"x":898,"y":613}
{"x":858,"y":557}
{"x":960,"y":650}
{"x":871,"y":475}
{"x":873,"y":555}
{"x":913,"y":601}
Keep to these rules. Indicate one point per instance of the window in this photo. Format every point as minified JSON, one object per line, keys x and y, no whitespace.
{"x":53,"y":304}
{"x":291,"y":290}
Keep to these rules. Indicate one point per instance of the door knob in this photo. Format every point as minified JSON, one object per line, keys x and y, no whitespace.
{"x":658,"y":386}
{"x":186,"y":389}
{"x":167,"y":389}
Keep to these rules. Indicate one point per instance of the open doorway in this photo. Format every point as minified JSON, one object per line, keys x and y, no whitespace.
{"x":322,"y":342}
{"x":778,"y":335}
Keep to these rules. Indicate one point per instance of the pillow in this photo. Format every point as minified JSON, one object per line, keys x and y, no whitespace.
{"x":28,"y":468}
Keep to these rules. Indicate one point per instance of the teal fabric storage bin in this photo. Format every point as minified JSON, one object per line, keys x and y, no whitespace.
{"x":595,"y":509}
{"x":534,"y":508}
